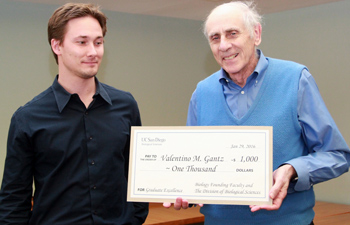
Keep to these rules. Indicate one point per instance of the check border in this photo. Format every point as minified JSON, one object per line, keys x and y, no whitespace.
{"x":210,"y":199}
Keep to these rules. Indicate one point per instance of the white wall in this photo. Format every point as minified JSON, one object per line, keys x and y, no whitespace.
{"x":318,"y":37}
{"x":160,"y":60}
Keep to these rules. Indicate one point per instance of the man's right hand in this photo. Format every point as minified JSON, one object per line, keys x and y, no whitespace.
{"x":179,"y":203}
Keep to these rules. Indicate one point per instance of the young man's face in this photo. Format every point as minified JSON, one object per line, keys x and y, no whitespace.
{"x":82,"y":50}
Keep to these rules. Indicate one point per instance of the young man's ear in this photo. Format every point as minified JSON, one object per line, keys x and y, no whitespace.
{"x":56,"y":47}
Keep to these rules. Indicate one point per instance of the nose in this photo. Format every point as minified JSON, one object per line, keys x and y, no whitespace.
{"x":91,"y":50}
{"x":224,"y":44}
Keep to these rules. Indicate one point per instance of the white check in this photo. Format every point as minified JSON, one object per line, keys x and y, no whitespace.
{"x":211,"y":165}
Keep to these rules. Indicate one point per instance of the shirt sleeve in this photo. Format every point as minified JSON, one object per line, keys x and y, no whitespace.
{"x":16,"y":189}
{"x":329,"y":155}
{"x":192,"y":111}
{"x":140,"y":208}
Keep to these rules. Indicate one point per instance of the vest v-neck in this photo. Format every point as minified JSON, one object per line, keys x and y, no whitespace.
{"x":261,"y":91}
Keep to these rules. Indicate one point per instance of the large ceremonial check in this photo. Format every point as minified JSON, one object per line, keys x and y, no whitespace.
{"x":203,"y":164}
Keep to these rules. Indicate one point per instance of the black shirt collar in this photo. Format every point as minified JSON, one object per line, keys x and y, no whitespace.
{"x":62,"y":96}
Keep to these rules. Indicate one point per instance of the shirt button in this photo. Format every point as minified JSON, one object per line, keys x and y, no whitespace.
{"x":94,"y":188}
{"x":93,"y":162}
{"x":90,"y":138}
{"x":86,"y":113}
{"x":242,"y":92}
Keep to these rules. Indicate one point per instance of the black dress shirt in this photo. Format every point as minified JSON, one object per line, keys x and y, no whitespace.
{"x":77,"y":156}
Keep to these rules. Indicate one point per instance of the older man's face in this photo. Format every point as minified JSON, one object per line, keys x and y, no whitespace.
{"x":231,"y":42}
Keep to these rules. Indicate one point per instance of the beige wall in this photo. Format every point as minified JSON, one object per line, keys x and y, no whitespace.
{"x":318,"y":37}
{"x":160,"y":60}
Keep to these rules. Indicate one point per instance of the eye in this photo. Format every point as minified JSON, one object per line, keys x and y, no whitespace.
{"x":99,"y":42}
{"x":214,"y":37}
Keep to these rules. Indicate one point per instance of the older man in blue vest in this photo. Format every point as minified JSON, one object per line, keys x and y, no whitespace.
{"x":253,"y":90}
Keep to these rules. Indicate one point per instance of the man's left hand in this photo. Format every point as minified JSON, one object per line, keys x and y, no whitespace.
{"x":281,"y":179}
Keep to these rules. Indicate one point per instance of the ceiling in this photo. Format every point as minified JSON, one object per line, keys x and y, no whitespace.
{"x":186,"y":9}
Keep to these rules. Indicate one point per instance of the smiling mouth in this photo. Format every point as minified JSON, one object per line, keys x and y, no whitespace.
{"x":231,"y":57}
{"x":90,"y":63}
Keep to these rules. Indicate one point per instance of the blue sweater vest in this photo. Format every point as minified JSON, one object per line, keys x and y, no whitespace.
{"x":276,"y":106}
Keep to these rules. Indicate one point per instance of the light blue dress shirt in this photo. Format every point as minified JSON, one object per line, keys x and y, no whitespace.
{"x":329,"y":153}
